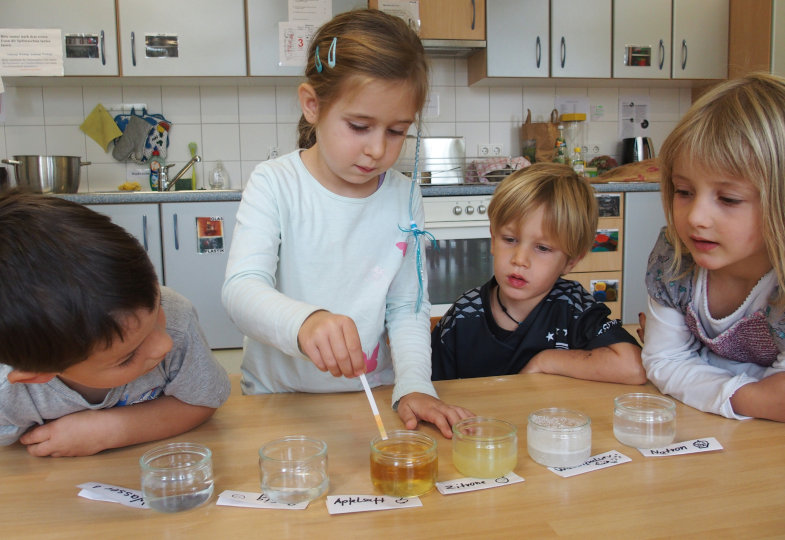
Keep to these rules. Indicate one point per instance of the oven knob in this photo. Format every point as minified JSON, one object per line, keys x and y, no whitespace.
{"x":469,"y":210}
{"x":481,"y":209}
{"x":457,"y":210}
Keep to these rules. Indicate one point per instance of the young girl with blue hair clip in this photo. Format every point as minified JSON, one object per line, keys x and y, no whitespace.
{"x":325,"y":274}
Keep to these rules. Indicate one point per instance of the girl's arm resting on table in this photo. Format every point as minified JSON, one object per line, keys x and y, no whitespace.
{"x":88,"y":432}
{"x":618,"y":363}
{"x":677,"y":364}
{"x":762,"y":399}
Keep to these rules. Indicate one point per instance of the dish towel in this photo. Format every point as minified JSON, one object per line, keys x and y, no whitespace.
{"x":100,"y":126}
{"x":131,"y":144}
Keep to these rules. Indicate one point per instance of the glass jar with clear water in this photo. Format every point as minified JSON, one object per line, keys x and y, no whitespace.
{"x":177,"y":476}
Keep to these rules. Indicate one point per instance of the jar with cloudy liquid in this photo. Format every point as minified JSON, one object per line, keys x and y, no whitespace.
{"x":559,"y":437}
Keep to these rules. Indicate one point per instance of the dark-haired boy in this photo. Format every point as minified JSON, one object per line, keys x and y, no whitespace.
{"x":95,"y":355}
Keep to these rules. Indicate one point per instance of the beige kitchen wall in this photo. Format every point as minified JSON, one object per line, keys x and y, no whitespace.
{"x":241,"y":121}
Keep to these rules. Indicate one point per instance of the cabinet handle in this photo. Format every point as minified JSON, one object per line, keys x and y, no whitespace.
{"x":133,"y":49}
{"x":474,"y":13}
{"x":176,"y":236}
{"x":144,"y":231}
{"x":662,"y":54}
{"x":538,"y":51}
{"x":683,"y":53}
{"x":103,"y":51}
{"x":563,"y":51}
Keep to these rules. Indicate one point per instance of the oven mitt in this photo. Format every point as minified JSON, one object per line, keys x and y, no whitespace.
{"x":157,"y":139}
{"x":130,"y":145}
{"x":101,"y":127}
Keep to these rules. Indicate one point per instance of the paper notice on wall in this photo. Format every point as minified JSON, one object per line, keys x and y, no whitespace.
{"x":293,"y":42}
{"x":633,"y":116}
{"x":311,"y":12}
{"x":31,"y":52}
{"x":408,"y":10}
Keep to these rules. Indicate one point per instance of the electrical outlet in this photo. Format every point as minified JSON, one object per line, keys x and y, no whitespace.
{"x":497,"y":149}
{"x":272,"y":152}
{"x":591,"y":149}
{"x":483,"y":150}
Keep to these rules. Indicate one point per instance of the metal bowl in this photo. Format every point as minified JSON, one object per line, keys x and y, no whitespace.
{"x":47,"y":174}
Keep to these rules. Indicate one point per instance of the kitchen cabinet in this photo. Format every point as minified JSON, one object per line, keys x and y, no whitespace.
{"x":449,"y":19}
{"x":581,"y":38}
{"x":196,"y":239}
{"x":642,"y":43}
{"x":757,"y":37}
{"x":142,"y":221}
{"x":263,"y":41}
{"x":89,"y":30}
{"x":700,"y":39}
{"x":182,"y":37}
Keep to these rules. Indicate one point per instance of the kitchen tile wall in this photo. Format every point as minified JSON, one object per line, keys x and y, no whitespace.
{"x":239,"y":122}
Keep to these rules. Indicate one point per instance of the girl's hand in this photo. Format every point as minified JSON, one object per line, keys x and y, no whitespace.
{"x":332,"y":343}
{"x":416,"y":406}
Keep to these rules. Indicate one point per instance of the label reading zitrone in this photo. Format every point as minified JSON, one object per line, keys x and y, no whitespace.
{"x":462,"y":485}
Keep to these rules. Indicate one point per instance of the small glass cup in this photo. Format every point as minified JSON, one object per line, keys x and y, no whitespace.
{"x":177,"y":476}
{"x":484,"y":447}
{"x":644,"y":420}
{"x":559,"y":437}
{"x":404,"y":464}
{"x":294,"y":469}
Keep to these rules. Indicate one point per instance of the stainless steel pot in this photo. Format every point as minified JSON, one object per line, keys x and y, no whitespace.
{"x":47,"y":174}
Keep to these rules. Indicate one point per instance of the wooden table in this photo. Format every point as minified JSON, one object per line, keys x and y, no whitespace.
{"x":739,"y":491}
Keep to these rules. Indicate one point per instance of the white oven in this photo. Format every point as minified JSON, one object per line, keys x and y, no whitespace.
{"x":463,"y":258}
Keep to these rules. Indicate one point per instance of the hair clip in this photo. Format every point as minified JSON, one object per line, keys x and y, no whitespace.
{"x":317,"y":60}
{"x":331,"y":53}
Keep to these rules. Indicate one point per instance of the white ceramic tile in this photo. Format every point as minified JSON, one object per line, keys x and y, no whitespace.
{"x":220,"y":104}
{"x":461,"y":72}
{"x":65,"y":141}
{"x":63,"y":105}
{"x":540,"y":101}
{"x":103,"y":177}
{"x":181,"y":104}
{"x":659,"y":131}
{"x":3,"y":151}
{"x":685,"y":100}
{"x":179,"y":137}
{"x":472,"y":104}
{"x":255,"y":141}
{"x":147,"y":95}
{"x":233,"y":170}
{"x":474,"y":134}
{"x":606,"y":136}
{"x":446,"y":97}
{"x":25,"y":140}
{"x":107,"y":96}
{"x":257,"y":104}
{"x":664,"y":105}
{"x":442,"y":71}
{"x":437,"y":129}
{"x":506,"y":104}
{"x":508,"y":134}
{"x":608,"y":99}
{"x":221,"y":141}
{"x":95,"y":154}
{"x":24,"y":106}
{"x":287,"y":106}
{"x":287,"y":138}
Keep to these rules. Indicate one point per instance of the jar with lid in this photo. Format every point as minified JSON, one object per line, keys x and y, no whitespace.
{"x":574,"y":130}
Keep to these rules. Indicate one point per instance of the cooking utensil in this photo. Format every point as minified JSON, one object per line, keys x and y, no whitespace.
{"x":47,"y":174}
{"x":636,"y":149}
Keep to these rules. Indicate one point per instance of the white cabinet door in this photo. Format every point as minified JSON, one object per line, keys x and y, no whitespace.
{"x":263,"y":35}
{"x":142,"y":221}
{"x":778,"y":38}
{"x":700,"y":39}
{"x":196,"y":239}
{"x":581,"y":38}
{"x":517,"y":38}
{"x":88,"y":28}
{"x":642,"y":39}
{"x":182,"y":37}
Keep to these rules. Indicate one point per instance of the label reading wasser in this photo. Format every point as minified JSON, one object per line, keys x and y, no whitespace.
{"x":347,"y":504}
{"x":709,"y":444}
{"x":462,"y":485}
{"x":96,"y":491}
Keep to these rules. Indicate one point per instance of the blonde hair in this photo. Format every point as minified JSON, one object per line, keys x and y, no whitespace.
{"x":369,"y":45}
{"x":738,"y":129}
{"x":570,"y":205}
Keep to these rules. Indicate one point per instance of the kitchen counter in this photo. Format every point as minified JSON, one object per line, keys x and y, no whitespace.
{"x":203,"y":195}
{"x":734,"y":492}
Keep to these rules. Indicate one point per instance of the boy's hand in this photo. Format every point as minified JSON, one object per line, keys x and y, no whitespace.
{"x":332,"y":343}
{"x":76,"y":434}
{"x":416,"y":406}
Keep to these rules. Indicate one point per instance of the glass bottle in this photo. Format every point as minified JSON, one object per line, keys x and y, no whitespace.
{"x":576,"y":160}
{"x":219,"y":177}
{"x":561,"y":146}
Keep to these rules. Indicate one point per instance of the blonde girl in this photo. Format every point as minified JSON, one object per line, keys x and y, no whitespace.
{"x":324,"y":275}
{"x":715,"y":332}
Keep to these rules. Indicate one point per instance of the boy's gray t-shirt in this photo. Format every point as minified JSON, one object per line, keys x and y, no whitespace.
{"x":189,"y":372}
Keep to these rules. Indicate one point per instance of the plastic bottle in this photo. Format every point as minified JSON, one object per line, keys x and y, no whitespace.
{"x":576,"y":160}
{"x":561,"y":147}
{"x":574,"y":129}
{"x":156,"y":167}
{"x":219,"y":177}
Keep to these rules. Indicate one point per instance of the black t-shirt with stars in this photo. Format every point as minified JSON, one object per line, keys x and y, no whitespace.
{"x":467,"y":342}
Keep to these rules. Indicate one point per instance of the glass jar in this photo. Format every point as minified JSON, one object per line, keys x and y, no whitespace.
{"x":404,"y":464}
{"x":177,"y":476}
{"x":559,"y":437}
{"x":294,"y":469}
{"x":644,"y":420}
{"x":484,"y":447}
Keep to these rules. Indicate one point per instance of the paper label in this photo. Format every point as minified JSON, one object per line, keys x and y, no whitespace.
{"x":348,"y":504}
{"x":247,"y":499}
{"x":96,"y":491}
{"x":462,"y":485}
{"x":709,"y":444}
{"x":594,"y":463}
{"x":31,"y":51}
